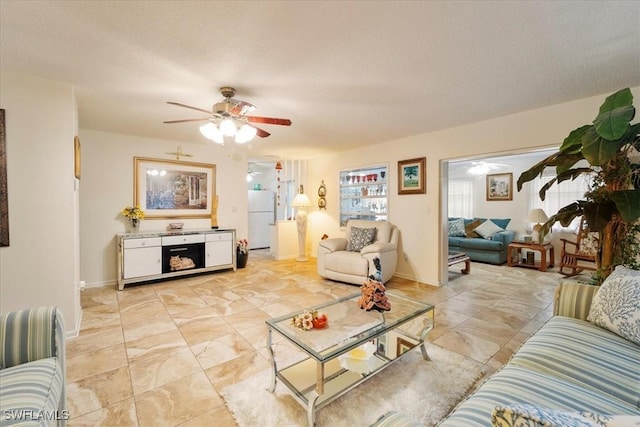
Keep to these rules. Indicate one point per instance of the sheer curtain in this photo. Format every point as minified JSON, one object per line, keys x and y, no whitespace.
{"x":558,"y":196}
{"x":460,"y":203}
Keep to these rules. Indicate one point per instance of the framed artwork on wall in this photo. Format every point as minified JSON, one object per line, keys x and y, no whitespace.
{"x":4,"y":195}
{"x":500,"y":186}
{"x":76,"y":157}
{"x":173,"y":188}
{"x":412,"y":176}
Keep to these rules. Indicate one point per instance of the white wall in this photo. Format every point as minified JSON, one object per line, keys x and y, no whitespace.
{"x":40,"y":267}
{"x":418,"y":216}
{"x":107,"y":187}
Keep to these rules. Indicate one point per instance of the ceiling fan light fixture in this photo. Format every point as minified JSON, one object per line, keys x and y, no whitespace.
{"x":211,"y":131}
{"x":245,"y":134}
{"x":227,"y":119}
{"x":228,"y":127}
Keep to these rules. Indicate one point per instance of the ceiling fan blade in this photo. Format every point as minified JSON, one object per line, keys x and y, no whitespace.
{"x":269,"y":120}
{"x":241,"y":108}
{"x":188,"y":106}
{"x":262,"y":133}
{"x":186,"y":120}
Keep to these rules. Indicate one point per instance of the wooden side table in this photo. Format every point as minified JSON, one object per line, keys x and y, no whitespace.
{"x":514,"y":258}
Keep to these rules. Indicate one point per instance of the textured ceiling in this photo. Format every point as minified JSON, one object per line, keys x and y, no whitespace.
{"x":347,"y":74}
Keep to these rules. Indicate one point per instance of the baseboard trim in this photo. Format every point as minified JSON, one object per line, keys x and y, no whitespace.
{"x":416,"y":279}
{"x":101,"y":284}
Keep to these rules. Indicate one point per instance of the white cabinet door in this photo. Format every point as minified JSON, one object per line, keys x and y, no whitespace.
{"x":140,"y":262}
{"x":219,"y":249}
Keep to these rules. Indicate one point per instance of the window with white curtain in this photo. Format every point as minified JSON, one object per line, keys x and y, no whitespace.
{"x":460,"y":203}
{"x":558,"y":196}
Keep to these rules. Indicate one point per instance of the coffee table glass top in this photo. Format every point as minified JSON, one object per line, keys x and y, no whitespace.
{"x":348,"y":325}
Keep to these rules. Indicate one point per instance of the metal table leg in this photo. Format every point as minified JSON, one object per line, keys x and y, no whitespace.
{"x":273,"y":362}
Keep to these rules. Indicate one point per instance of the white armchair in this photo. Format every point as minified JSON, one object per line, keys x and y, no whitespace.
{"x":350,"y":259}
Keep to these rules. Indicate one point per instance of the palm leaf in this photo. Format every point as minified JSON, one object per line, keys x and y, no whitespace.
{"x":615,"y":114}
{"x":628,"y":204}
{"x":573,"y":143}
{"x":598,"y":150}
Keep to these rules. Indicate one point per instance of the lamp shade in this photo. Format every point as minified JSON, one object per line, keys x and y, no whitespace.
{"x":211,"y":131}
{"x":538,"y":216}
{"x":301,"y":201}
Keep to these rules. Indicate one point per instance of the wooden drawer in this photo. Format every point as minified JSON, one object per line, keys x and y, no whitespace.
{"x":216,"y":237}
{"x":144,"y":242}
{"x":180,"y":240}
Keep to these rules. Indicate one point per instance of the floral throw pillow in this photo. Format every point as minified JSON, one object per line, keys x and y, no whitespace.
{"x":616,"y":305}
{"x":359,"y":238}
{"x":456,"y":228}
{"x":589,"y":244}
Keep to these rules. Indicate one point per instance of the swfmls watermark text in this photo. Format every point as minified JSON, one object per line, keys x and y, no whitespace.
{"x":34,"y":415}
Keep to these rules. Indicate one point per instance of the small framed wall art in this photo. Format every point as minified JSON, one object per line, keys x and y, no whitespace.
{"x":412,"y":176}
{"x":500,"y":186}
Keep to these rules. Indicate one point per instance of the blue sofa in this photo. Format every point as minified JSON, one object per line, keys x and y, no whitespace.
{"x":32,"y":368}
{"x":492,"y":251}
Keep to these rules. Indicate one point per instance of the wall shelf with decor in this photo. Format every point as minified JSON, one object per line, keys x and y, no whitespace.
{"x":364,"y":194}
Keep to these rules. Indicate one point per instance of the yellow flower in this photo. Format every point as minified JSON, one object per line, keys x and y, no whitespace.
{"x":133,"y":212}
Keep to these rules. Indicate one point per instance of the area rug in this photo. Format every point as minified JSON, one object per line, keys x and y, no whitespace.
{"x":426,"y":391}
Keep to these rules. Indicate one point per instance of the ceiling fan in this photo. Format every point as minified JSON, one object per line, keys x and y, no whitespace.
{"x":229,"y":118}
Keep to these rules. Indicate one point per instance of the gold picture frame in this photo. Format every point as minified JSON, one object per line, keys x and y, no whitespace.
{"x":76,"y":157}
{"x":402,"y":346}
{"x":500,"y":186}
{"x":4,"y":196}
{"x":412,"y":176}
{"x":173,"y":189}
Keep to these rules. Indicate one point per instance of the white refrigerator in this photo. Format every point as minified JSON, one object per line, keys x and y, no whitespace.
{"x":262,"y":213}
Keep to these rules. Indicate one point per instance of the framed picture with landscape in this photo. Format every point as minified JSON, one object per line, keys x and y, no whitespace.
{"x":172,"y":188}
{"x":412,"y":176}
{"x":500,"y":186}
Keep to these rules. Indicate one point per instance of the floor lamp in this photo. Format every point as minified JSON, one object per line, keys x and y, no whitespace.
{"x":302,"y":202}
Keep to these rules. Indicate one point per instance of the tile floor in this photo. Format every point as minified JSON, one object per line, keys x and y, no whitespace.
{"x":159,"y":354}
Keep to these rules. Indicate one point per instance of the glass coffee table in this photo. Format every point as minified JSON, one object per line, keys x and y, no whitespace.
{"x":355,"y":346}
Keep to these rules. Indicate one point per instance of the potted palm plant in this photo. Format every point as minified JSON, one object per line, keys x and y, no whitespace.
{"x":610,"y":145}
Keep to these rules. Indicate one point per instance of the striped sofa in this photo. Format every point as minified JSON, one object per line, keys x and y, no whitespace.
{"x":32,"y":368}
{"x":569,"y":366}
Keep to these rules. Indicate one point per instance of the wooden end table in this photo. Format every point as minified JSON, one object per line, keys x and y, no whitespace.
{"x":514,"y":258}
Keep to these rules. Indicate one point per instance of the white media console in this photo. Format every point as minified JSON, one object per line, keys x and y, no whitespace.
{"x":159,"y":255}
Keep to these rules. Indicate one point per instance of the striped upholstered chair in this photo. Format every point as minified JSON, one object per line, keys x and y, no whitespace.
{"x":32,"y":368}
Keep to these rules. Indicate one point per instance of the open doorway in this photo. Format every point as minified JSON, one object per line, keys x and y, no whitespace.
{"x":476,"y":187}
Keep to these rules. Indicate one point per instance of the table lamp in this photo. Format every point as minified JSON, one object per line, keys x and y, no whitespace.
{"x":538,"y":217}
{"x":302,"y":202}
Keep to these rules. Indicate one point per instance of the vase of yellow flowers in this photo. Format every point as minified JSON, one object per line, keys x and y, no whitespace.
{"x":134,"y":215}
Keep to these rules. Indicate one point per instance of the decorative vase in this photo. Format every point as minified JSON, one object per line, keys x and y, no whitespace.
{"x":134,"y":225}
{"x":241,"y":259}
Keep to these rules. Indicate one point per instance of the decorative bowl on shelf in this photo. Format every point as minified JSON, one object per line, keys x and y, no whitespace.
{"x":176,"y":226}
{"x":360,"y":359}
